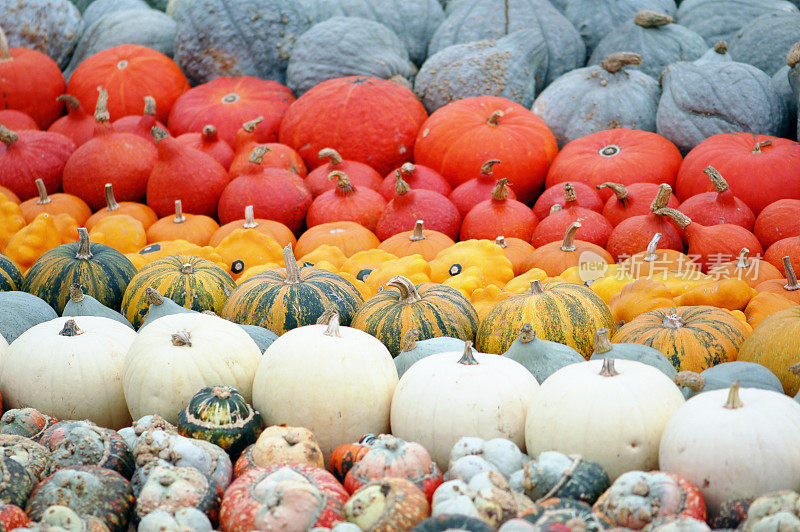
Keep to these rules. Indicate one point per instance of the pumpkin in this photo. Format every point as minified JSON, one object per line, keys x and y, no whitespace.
{"x":140,"y":125}
{"x":28,"y":155}
{"x":245,"y":248}
{"x":79,"y":304}
{"x":20,"y":311}
{"x":552,"y":474}
{"x":165,"y":483}
{"x":592,"y":226}
{"x":499,"y":215}
{"x":324,"y":253}
{"x":140,"y":211}
{"x":359,"y":174}
{"x":722,"y":376}
{"x":452,"y":522}
{"x":764,"y":304}
{"x":541,"y":357}
{"x":209,"y":142}
{"x":13,"y":517}
{"x":280,"y":444}
{"x":10,"y":276}
{"x":518,"y":251}
{"x":346,"y":202}
{"x":639,"y":297}
{"x":488,"y":496}
{"x":475,"y":190}
{"x":555,"y":257}
{"x":413,"y":267}
{"x":752,"y":271}
{"x":349,"y":237}
{"x":739,"y":415}
{"x":276,"y":156}
{"x":777,"y":221}
{"x":11,"y":219}
{"x":387,"y":504}
{"x":44,"y":233}
{"x":31,"y":80}
{"x":10,"y":196}
{"x":206,"y":350}
{"x":282,"y":234}
{"x":719,"y":207}
{"x":555,"y":512}
{"x":121,"y":232}
{"x":692,"y":337}
{"x":787,"y":287}
{"x":716,"y":22}
{"x":413,"y":351}
{"x":731,"y":294}
{"x":103,"y":271}
{"x":194,"y":228}
{"x":780,"y":27}
{"x":417,"y":176}
{"x":786,"y":247}
{"x":433,"y":310}
{"x":603,"y":348}
{"x":582,"y":101}
{"x":129,"y":72}
{"x":418,"y":241}
{"x":418,"y":403}
{"x":581,"y":194}
{"x":659,"y":263}
{"x":16,"y":120}
{"x":75,"y":355}
{"x":27,"y":423}
{"x":55,"y":204}
{"x":772,"y":345}
{"x":159,"y":250}
{"x":616,"y":389}
{"x":631,"y":201}
{"x":502,"y":129}
{"x":77,"y":125}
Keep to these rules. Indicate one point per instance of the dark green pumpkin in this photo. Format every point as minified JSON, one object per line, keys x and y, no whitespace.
{"x":442,"y":523}
{"x":561,"y":511}
{"x":102,"y":271}
{"x":10,"y":276}
{"x":287,"y":298}
{"x":221,"y":415}
{"x":15,"y":482}
{"x":431,"y":308}
{"x":585,"y":480}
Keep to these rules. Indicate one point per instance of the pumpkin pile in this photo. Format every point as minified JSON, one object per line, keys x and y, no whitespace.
{"x":235,"y":271}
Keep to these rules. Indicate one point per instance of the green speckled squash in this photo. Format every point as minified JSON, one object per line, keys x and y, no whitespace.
{"x":432,"y":309}
{"x":566,"y":313}
{"x":191,"y":282}
{"x":10,"y":276}
{"x":287,"y":298}
{"x":221,"y":415}
{"x":102,"y":271}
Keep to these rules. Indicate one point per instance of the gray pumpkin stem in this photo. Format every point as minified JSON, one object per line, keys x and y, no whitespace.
{"x":416,"y":233}
{"x":84,"y":245}
{"x":158,"y":134}
{"x":734,"y":401}
{"x":251,"y":126}
{"x":76,"y":294}
{"x":153,"y":296}
{"x":333,"y":325}
{"x":292,"y":269}
{"x":7,"y":136}
{"x":527,"y":333}
{"x":608,"y":369}
{"x":793,"y":57}
{"x":650,"y":254}
{"x":662,"y":197}
{"x":249,"y":218}
{"x":716,"y":179}
{"x":5,"y":52}
{"x":791,"y":278}
{"x":70,"y":329}
{"x":677,"y":216}
{"x":101,"y":109}
{"x":618,"y":189}
{"x":408,"y":292}
{"x":741,"y":260}
{"x":179,"y":217}
{"x":111,"y":201}
{"x":149,"y":106}
{"x":43,"y":198}
{"x":72,"y":102}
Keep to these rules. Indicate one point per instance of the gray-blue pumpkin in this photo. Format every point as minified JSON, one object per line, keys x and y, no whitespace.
{"x":783,"y":84}
{"x":50,"y":26}
{"x":261,"y":336}
{"x":720,"y":20}
{"x":347,"y":46}
{"x":79,"y":304}
{"x":655,"y":38}
{"x":81,"y":4}
{"x":765,"y":41}
{"x":100,"y":8}
{"x":476,"y":20}
{"x":243,"y":38}
{"x":710,"y":96}
{"x":722,"y":376}
{"x":603,"y":348}
{"x":506,"y":67}
{"x":19,"y":311}
{"x":159,"y":306}
{"x":541,"y":357}
{"x":598,"y":97}
{"x":413,"y":351}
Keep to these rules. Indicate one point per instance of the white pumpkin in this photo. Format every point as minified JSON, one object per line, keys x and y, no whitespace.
{"x":447,"y":396}
{"x":609,"y":411}
{"x":70,"y":368}
{"x":335,"y":381}
{"x":3,"y":348}
{"x":178,"y":354}
{"x":734,"y":444}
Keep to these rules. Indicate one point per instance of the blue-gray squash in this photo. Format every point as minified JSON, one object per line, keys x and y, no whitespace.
{"x":82,"y":4}
{"x":793,"y":75}
{"x":160,"y":305}
{"x":603,"y":348}
{"x":783,"y":84}
{"x":475,"y":20}
{"x":722,"y":376}
{"x":594,"y":19}
{"x":765,"y":41}
{"x":347,"y":46}
{"x":710,"y":96}
{"x":100,"y":8}
{"x":655,"y":38}
{"x":720,"y":20}
{"x":243,"y":38}
{"x":50,"y":26}
{"x":79,"y":304}
{"x":19,"y":311}
{"x":507,"y":67}
{"x":541,"y":357}
{"x":413,"y":350}
{"x":598,"y":97}
{"x":161,"y":5}
{"x":261,"y":336}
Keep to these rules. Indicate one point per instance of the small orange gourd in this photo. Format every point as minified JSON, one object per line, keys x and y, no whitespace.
{"x":282,"y":234}
{"x":58,"y":203}
{"x":196,"y":228}
{"x":555,"y":257}
{"x":787,"y":287}
{"x":140,"y":211}
{"x":350,"y":237}
{"x":418,"y":241}
{"x":122,"y":232}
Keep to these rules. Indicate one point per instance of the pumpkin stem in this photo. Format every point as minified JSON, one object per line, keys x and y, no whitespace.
{"x":76,"y":293}
{"x":501,"y":242}
{"x":618,"y":189}
{"x":791,"y":278}
{"x":408,"y":292}
{"x":401,"y":188}
{"x":111,"y":201}
{"x":326,"y":316}
{"x":343,"y":185}
{"x":187,"y":268}
{"x":251,"y":126}
{"x":468,"y":359}
{"x":650,"y":253}
{"x":716,"y":179}
{"x":792,"y":57}
{"x":181,"y":338}
{"x":762,"y":144}
{"x":492,"y":121}
{"x":332,"y":155}
{"x":153,"y":296}
{"x":673,"y":321}
{"x":569,"y":237}
{"x":610,"y":150}
{"x":84,"y":246}
{"x":179,"y":217}
{"x":221,"y":392}
{"x":249,"y":218}
{"x":677,"y":216}
{"x":662,"y":197}
{"x":795,"y":368}
{"x":576,"y":460}
{"x":149,"y":106}
{"x":734,"y":401}
{"x":416,"y":233}
{"x":608,"y":369}
{"x":7,"y":136}
{"x":209,"y":132}
{"x":333,"y":326}
{"x":72,"y":102}
{"x":5,"y":51}
{"x":292,"y":269}
{"x":410,"y":340}
{"x":407,"y":169}
{"x":721,"y":47}
{"x":487,"y":168}
{"x":70,"y":329}
{"x":500,"y":190}
{"x":158,"y":134}
{"x":652,"y":19}
{"x":741,"y":260}
{"x":527,"y":333}
{"x":101,"y":108}
{"x":690,"y":379}
{"x":569,"y":194}
{"x":43,"y":199}
{"x":536,"y":287}
{"x":602,"y":343}
{"x":614,"y":62}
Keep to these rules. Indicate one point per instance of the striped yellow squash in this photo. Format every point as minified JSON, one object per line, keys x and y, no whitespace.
{"x":10,"y":276}
{"x":566,"y":313}
{"x":775,"y":344}
{"x":191,"y":282}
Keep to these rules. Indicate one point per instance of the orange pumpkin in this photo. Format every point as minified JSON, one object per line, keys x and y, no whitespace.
{"x":57,"y":203}
{"x":765,"y":304}
{"x":350,"y":237}
{"x":122,"y":232}
{"x":195,"y":228}
{"x":789,"y":246}
{"x":418,"y":241}
{"x":346,"y":202}
{"x":140,"y":211}
{"x":753,"y":271}
{"x":787,"y":287}
{"x":10,"y":195}
{"x":555,"y":257}
{"x":282,"y":234}
{"x":277,"y":156}
{"x":655,"y":262}
{"x":639,"y":297}
{"x":518,"y":251}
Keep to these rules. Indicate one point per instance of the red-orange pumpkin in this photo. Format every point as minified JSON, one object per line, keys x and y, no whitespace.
{"x":585,"y":196}
{"x":417,"y":176}
{"x":500,"y":215}
{"x":631,"y":200}
{"x":594,"y":228}
{"x":360,"y":174}
{"x":209,"y":142}
{"x":464,"y":134}
{"x":16,"y":120}
{"x":777,"y":221}
{"x":718,"y":207}
{"x":409,"y":205}
{"x":29,"y":154}
{"x":77,"y":125}
{"x":140,"y":124}
{"x":469,"y":193}
{"x":786,"y":247}
{"x":278,"y":156}
{"x":346,"y":203}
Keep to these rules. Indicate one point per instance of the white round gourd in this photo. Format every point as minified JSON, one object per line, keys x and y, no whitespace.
{"x":335,"y":381}
{"x":609,"y":411}
{"x":447,"y":396}
{"x":3,"y":348}
{"x":178,"y":354}
{"x":735,"y":443}
{"x":70,"y":368}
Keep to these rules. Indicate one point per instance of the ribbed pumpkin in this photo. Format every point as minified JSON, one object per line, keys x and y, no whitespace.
{"x":693,"y":338}
{"x":417,"y":176}
{"x":140,"y":211}
{"x":10,"y":276}
{"x":555,"y":257}
{"x":209,"y":142}
{"x":282,"y":234}
{"x":77,"y":125}
{"x":129,"y":72}
{"x":360,"y":174}
{"x":566,"y":313}
{"x":499,"y":215}
{"x":594,"y":227}
{"x":773,"y":344}
{"x":631,"y":200}
{"x":409,"y":205}
{"x":346,"y":202}
{"x":349,"y":237}
{"x":473,"y":191}
{"x":290,"y":297}
{"x":228,"y":102}
{"x":777,"y":221}
{"x":417,"y":241}
{"x":28,"y":155}
{"x":718,"y":207}
{"x":57,"y":203}
{"x":432,"y":309}
{"x":194,"y":228}
{"x":582,"y":195}
{"x":191,"y":282}
{"x":102,"y":272}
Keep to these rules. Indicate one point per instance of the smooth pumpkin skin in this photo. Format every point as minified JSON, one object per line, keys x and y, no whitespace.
{"x":541,"y":357}
{"x":749,"y":374}
{"x":10,"y":276}
{"x":774,"y":344}
{"x":709,"y":337}
{"x":19,"y":311}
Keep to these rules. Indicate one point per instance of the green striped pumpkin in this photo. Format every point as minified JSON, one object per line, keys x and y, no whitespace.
{"x":10,"y":276}
{"x":432,"y":309}
{"x":191,"y":282}
{"x":102,"y":271}
{"x":286,"y":298}
{"x":567,"y":313}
